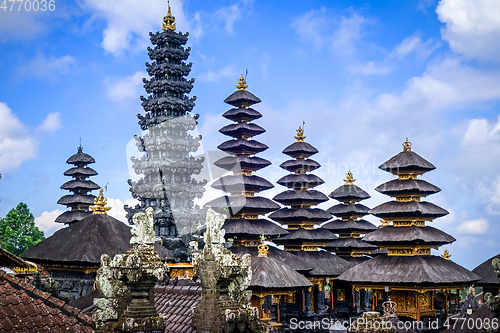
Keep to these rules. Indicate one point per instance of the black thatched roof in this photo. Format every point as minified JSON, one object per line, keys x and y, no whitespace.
{"x":72,"y":216}
{"x":306,"y":235}
{"x":354,"y":260}
{"x":349,"y":244}
{"x":407,"y":187}
{"x":407,"y":161}
{"x":10,"y":260}
{"x":325,"y":263}
{"x":390,"y":235}
{"x":346,"y":193}
{"x":285,"y":257}
{"x":80,"y":171}
{"x":242,"y":114}
{"x":242,"y":162}
{"x":80,"y":158}
{"x":241,"y":183}
{"x":242,"y":146}
{"x":483,"y":313}
{"x":242,"y":98}
{"x":290,"y":215}
{"x":486,"y":271}
{"x":300,"y":150}
{"x":379,"y":252}
{"x":350,"y":210}
{"x":241,"y":130}
{"x":76,"y":199}
{"x":300,"y":181}
{"x":300,"y":165}
{"x":83,"y":242}
{"x":340,"y":226}
{"x":393,"y":209}
{"x":252,"y":228}
{"x":432,"y":271}
{"x":76,"y":184}
{"x":291,"y":197}
{"x":269,"y":273}
{"x":243,"y":205}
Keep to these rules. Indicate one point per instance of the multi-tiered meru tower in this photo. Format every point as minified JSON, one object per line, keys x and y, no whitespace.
{"x":167,"y":166}
{"x":350,"y":246}
{"x":80,"y":200}
{"x":300,"y":217}
{"x":409,"y":274}
{"x":244,"y":227}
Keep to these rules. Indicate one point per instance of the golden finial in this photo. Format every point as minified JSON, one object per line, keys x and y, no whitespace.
{"x":300,"y":133}
{"x":406,"y":145}
{"x":100,"y":204}
{"x":263,"y":248}
{"x":349,"y":179}
{"x":242,"y":85}
{"x":168,"y":21}
{"x":446,"y":254}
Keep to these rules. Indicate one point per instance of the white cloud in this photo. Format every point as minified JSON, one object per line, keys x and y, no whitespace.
{"x":229,"y":15}
{"x":476,"y":227}
{"x":126,"y":88}
{"x":414,"y":44}
{"x":49,"y":68}
{"x":212,"y":76}
{"x":370,"y":69}
{"x":45,"y":222}
{"x":51,"y":123}
{"x":117,"y":210}
{"x":472,"y":27}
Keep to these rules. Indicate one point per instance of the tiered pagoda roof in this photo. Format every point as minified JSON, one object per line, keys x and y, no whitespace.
{"x":350,"y":226}
{"x":242,"y":206}
{"x":165,"y":162}
{"x":79,"y":200}
{"x":300,"y":217}
{"x":408,"y":268}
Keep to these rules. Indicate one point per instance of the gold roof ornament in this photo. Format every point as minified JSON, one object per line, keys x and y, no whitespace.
{"x":100,"y":204}
{"x":242,"y":84}
{"x":300,"y":133}
{"x":349,"y":179}
{"x":446,"y":254}
{"x":168,"y":21}
{"x":263,"y":248}
{"x":407,"y":145}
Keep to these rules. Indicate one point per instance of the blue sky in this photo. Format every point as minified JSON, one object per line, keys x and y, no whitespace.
{"x":363,"y":75}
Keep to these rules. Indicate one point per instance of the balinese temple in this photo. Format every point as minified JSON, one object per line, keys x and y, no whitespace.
{"x":349,"y":246}
{"x":490,"y":280}
{"x":79,"y":200}
{"x":300,"y":217}
{"x":72,"y":255}
{"x":409,"y":273}
{"x":167,"y":165}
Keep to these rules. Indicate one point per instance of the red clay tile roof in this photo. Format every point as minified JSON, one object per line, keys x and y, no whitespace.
{"x":23,"y":308}
{"x":176,"y":304}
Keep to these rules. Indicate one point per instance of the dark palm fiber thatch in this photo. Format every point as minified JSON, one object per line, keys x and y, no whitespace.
{"x":71,"y":216}
{"x":325,"y":263}
{"x":242,"y":162}
{"x":285,"y":215}
{"x":242,"y":146}
{"x":269,"y":273}
{"x":80,"y":171}
{"x":300,"y":181}
{"x":489,"y":278}
{"x":80,"y":184}
{"x":242,"y":114}
{"x":349,"y":244}
{"x":346,"y":193}
{"x":409,"y":235}
{"x":301,"y":234}
{"x":242,"y":98}
{"x":241,"y":183}
{"x":302,"y":165}
{"x":80,"y":158}
{"x":407,"y":161}
{"x":77,"y":198}
{"x":342,"y":210}
{"x":354,"y":260}
{"x":252,"y":228}
{"x":300,"y":150}
{"x":407,"y":187}
{"x":243,"y":205}
{"x":409,"y":209}
{"x":310,"y":197}
{"x":409,"y":270}
{"x":349,"y":226}
{"x":240,"y":130}
{"x":285,"y":257}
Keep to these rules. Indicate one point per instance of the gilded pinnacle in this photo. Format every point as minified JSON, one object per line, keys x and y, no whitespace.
{"x":168,"y":21}
{"x":100,"y":204}
{"x":242,"y":85}
{"x":446,"y":254}
{"x":349,"y":179}
{"x":263,"y":248}
{"x":300,"y":135}
{"x":406,"y":145}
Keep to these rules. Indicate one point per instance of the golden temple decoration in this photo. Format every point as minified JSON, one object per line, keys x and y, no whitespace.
{"x":349,"y":179}
{"x":385,"y":222}
{"x":404,"y":176}
{"x":263,"y":248}
{"x":100,"y":204}
{"x":168,"y":21}
{"x":406,"y":145}
{"x":242,"y":85}
{"x":409,"y":252}
{"x":300,"y":133}
{"x":408,"y":223}
{"x":446,"y":254}
{"x":408,"y":199}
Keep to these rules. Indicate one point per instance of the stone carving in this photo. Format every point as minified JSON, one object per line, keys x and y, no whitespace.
{"x":225,"y":304}
{"x":127,"y":284}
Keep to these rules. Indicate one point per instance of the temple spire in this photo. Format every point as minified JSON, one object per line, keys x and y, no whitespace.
{"x":169,"y":20}
{"x":300,"y":133}
{"x":406,"y":145}
{"x":349,"y":179}
{"x":242,"y":84}
{"x":100,"y":204}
